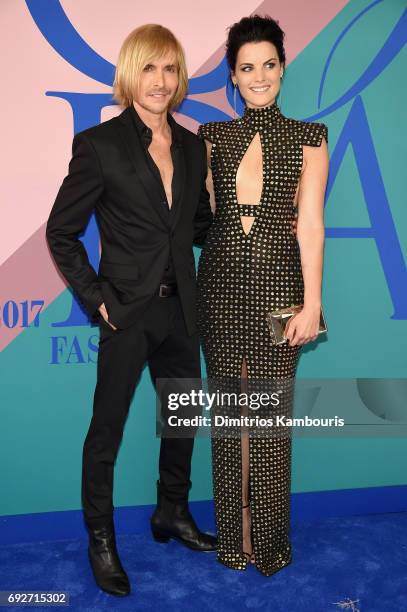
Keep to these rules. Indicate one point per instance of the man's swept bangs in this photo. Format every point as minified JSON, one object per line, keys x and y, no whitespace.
{"x":142,"y":46}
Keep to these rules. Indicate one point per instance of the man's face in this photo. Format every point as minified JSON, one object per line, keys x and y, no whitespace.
{"x":158,"y":84}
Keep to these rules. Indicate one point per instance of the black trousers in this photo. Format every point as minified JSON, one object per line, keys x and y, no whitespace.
{"x":159,"y":339}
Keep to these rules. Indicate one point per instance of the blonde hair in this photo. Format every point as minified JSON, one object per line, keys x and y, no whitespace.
{"x":143,"y":45}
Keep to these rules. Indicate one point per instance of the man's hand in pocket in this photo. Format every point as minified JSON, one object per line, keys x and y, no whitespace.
{"x":103,"y":312}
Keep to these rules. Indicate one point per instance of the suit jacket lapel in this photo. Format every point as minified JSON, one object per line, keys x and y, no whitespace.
{"x":179,"y":183}
{"x":134,"y":148}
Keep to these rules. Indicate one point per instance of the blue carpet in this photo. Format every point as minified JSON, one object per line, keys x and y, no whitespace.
{"x":336,"y":561}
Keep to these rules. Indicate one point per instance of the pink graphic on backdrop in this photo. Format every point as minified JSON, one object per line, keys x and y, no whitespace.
{"x":38,"y":129}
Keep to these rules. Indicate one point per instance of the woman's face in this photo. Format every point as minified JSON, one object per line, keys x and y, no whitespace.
{"x":257,"y":73}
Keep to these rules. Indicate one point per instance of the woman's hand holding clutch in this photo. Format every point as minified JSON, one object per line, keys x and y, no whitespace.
{"x":304,"y":326}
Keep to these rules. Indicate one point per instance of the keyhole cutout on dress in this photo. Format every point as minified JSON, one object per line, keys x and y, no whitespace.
{"x":249,"y":180}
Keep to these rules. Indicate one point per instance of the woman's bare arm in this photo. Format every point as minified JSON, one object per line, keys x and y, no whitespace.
{"x":310,"y":235}
{"x":209,"y":180}
{"x":310,"y":222}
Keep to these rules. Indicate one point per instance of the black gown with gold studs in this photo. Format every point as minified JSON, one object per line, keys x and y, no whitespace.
{"x":241,"y":277}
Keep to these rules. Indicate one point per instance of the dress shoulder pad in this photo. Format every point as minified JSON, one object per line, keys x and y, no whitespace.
{"x":209,"y":131}
{"x":313,"y":133}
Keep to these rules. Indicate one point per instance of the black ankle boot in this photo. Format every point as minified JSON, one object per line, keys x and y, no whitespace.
{"x":174,"y":521}
{"x":105,"y":562}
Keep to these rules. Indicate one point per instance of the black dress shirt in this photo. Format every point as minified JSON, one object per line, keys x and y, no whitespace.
{"x":146,"y":137}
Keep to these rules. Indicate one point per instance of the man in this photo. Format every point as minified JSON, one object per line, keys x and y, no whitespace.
{"x":144,"y":176}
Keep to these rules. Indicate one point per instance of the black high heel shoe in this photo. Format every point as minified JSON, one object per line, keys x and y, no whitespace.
{"x":250,"y":556}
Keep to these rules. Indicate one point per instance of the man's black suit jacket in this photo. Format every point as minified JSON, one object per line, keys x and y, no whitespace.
{"x":109,"y":175}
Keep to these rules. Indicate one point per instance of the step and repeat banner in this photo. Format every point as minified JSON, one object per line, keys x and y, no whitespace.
{"x":346,"y":65}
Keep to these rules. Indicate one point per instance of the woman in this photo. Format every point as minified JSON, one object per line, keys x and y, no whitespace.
{"x":262,"y":168}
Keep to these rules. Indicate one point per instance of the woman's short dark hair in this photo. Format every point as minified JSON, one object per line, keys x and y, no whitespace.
{"x":254,"y":29}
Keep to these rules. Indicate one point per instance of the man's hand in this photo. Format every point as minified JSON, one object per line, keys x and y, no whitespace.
{"x":103,"y":312}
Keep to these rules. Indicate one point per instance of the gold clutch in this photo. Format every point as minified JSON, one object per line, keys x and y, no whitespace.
{"x":277,"y":321}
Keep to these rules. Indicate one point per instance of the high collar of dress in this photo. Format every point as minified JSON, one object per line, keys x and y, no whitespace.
{"x":259,"y":117}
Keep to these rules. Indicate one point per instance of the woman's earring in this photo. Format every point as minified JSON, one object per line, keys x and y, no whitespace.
{"x":281,"y":89}
{"x":234,"y":99}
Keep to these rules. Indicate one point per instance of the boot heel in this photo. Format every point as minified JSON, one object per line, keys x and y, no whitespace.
{"x":160,"y":537}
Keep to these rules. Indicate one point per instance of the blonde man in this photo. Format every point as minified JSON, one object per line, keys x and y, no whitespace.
{"x":144,"y":177}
